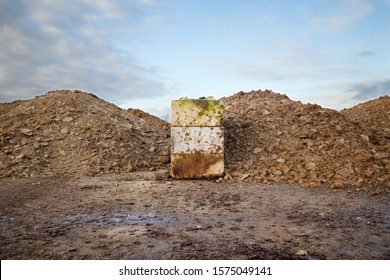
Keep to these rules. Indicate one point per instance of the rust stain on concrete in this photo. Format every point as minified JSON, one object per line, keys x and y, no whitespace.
{"x":197,"y":166}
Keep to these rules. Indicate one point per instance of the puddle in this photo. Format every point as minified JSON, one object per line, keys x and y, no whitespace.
{"x":121,"y":219}
{"x":137,"y":218}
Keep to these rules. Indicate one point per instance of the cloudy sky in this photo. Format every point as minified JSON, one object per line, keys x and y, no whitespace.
{"x":143,"y":53}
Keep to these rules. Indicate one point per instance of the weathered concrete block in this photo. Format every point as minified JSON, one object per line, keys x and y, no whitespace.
{"x":197,"y":139}
{"x":196,"y":112}
{"x":204,"y":140}
{"x":197,"y":166}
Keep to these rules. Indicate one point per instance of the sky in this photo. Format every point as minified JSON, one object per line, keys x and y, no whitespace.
{"x":145,"y":53}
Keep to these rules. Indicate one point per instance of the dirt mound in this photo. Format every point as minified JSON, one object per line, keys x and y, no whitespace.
{"x":72,"y":132}
{"x":373,"y":116}
{"x":155,"y":121}
{"x":270,"y":138}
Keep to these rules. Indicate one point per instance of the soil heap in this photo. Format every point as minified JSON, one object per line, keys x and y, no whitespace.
{"x":268,"y":138}
{"x":72,"y":132}
{"x":272,"y":139}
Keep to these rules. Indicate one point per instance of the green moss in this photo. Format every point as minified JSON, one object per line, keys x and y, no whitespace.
{"x":202,"y":109}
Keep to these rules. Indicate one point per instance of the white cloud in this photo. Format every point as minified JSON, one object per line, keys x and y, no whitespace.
{"x":366,"y":53}
{"x":344,"y":15}
{"x":106,"y":8}
{"x":148,"y":2}
{"x":69,"y":44}
{"x":287,"y":62}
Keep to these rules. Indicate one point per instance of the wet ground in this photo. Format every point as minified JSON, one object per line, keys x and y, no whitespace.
{"x":147,"y":216}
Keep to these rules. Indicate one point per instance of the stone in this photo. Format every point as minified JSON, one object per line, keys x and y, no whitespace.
{"x":301,"y":253}
{"x":381,"y":155}
{"x":129,"y":168}
{"x":27,"y":132}
{"x":311,"y":165}
{"x":345,"y":172}
{"x":67,"y":119}
{"x":265,"y":112}
{"x":277,"y":173}
{"x":64,"y":130}
{"x":365,"y":137}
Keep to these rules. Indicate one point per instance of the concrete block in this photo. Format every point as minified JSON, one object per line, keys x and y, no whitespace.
{"x":196,"y":112}
{"x":204,"y":140}
{"x":197,"y":166}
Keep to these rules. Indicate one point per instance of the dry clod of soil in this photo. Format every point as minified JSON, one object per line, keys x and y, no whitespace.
{"x":272,"y":139}
{"x":71,"y":132}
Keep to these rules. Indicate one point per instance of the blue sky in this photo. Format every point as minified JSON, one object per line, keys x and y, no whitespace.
{"x":144,"y":53}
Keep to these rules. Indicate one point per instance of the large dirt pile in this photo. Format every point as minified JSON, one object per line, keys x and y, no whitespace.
{"x":270,"y":138}
{"x":72,"y":132}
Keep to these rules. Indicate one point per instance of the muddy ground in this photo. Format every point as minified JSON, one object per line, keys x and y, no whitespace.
{"x":147,"y":216}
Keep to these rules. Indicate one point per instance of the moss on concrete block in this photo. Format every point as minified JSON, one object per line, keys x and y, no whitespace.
{"x":196,"y":112}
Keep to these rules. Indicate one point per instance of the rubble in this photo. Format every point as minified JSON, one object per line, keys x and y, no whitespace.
{"x":71,"y":132}
{"x":269,"y":138}
{"x":374,"y":118}
{"x":272,"y":139}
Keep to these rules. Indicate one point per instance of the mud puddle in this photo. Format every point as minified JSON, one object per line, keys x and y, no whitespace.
{"x":121,"y":219}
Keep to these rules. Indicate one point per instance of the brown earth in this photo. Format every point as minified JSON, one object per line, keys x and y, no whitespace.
{"x":50,"y":209}
{"x":269,"y":139}
{"x":72,"y":132}
{"x":272,"y":139}
{"x":374,"y":117}
{"x":147,"y":216}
